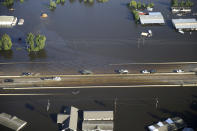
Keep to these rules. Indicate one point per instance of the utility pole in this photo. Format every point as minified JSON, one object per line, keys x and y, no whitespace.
{"x":157,"y":102}
{"x":115,"y":110}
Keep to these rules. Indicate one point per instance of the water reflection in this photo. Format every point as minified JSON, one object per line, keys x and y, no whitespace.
{"x":6,"y":54}
{"x":38,"y":55}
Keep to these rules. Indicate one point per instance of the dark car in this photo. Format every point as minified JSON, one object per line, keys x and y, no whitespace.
{"x":26,"y":74}
{"x":85,"y":72}
{"x":8,"y":80}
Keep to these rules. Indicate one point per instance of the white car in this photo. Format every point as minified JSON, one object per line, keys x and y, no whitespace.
{"x":123,"y":71}
{"x":179,"y":71}
{"x":145,"y":72}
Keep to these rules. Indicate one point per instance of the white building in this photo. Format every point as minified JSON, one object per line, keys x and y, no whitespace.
{"x":7,"y":21}
{"x":152,"y":18}
{"x":185,"y":24}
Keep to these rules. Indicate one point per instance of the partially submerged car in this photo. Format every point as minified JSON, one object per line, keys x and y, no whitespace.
{"x":122,"y":71}
{"x":152,"y":71}
{"x":178,"y":71}
{"x":85,"y":72}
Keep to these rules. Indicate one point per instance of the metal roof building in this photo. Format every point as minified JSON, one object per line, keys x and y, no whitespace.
{"x":12,"y":122}
{"x":8,"y":21}
{"x":97,"y":126}
{"x":69,"y":121}
{"x":185,"y":24}
{"x":98,"y":115}
{"x":98,"y":121}
{"x":152,"y":18}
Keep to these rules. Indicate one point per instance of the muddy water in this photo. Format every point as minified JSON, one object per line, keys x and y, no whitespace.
{"x":93,"y":36}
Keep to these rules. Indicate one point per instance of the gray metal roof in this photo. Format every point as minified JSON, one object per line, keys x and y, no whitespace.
{"x":185,"y":23}
{"x":152,"y":18}
{"x":62,"y":117}
{"x":98,"y":115}
{"x":6,"y":18}
{"x":12,"y":122}
{"x":93,"y":125}
{"x":73,"y":118}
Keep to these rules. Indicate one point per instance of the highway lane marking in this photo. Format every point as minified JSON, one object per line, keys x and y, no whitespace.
{"x":74,"y":87}
{"x":25,"y":94}
{"x":156,"y":63}
{"x":93,"y":75}
{"x":11,"y":63}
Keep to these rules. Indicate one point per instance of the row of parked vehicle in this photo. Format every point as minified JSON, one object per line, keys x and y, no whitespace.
{"x":88,"y":72}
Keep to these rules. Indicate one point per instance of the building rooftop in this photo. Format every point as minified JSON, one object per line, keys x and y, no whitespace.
{"x":98,"y":115}
{"x":93,"y":125}
{"x":185,"y":23}
{"x":152,"y":18}
{"x":12,"y":122}
{"x":6,"y":18}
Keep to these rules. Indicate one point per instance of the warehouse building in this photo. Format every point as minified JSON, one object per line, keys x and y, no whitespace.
{"x":152,"y":18}
{"x":7,"y":21}
{"x":185,"y":24}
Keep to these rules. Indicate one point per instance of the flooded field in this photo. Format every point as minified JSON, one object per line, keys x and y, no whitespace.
{"x":94,"y":35}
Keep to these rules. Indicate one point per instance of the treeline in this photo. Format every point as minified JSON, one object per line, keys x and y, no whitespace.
{"x":34,"y":43}
{"x":138,"y":5}
{"x":53,"y":4}
{"x":134,"y":6}
{"x":10,"y":3}
{"x":182,"y":3}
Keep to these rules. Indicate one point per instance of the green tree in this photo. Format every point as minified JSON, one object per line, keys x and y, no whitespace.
{"x":136,"y":15}
{"x":6,"y":43}
{"x":52,"y":5}
{"x":151,"y":5}
{"x":139,"y":5}
{"x":30,"y":41}
{"x":133,"y":4}
{"x":62,"y":1}
{"x":188,"y":3}
{"x":57,"y":1}
{"x":175,"y":3}
{"x":40,"y":42}
{"x":182,"y":3}
{"x":0,"y":45}
{"x":144,"y":5}
{"x":8,"y":3}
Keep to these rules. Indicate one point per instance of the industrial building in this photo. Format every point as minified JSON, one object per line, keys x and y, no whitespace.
{"x":98,"y":121}
{"x":11,"y":122}
{"x":7,"y":21}
{"x":185,"y":24}
{"x":152,"y":18}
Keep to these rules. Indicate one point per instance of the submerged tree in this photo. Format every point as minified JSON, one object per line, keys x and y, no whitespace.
{"x":5,"y":42}
{"x":52,"y":5}
{"x":36,"y":44}
{"x":8,"y":3}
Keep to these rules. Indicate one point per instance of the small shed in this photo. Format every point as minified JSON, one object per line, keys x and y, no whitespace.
{"x":97,"y":125}
{"x":152,"y":18}
{"x":185,"y":24}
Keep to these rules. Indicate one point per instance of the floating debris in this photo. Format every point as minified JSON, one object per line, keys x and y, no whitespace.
{"x":149,"y":34}
{"x":180,"y":31}
{"x":21,"y":21}
{"x":44,"y":15}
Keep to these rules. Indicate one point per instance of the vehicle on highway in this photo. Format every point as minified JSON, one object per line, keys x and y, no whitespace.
{"x":26,"y":74}
{"x":122,"y":71}
{"x":86,"y":72}
{"x":152,"y":71}
{"x":145,"y":71}
{"x":8,"y":80}
{"x":178,"y":71}
{"x":51,"y":78}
